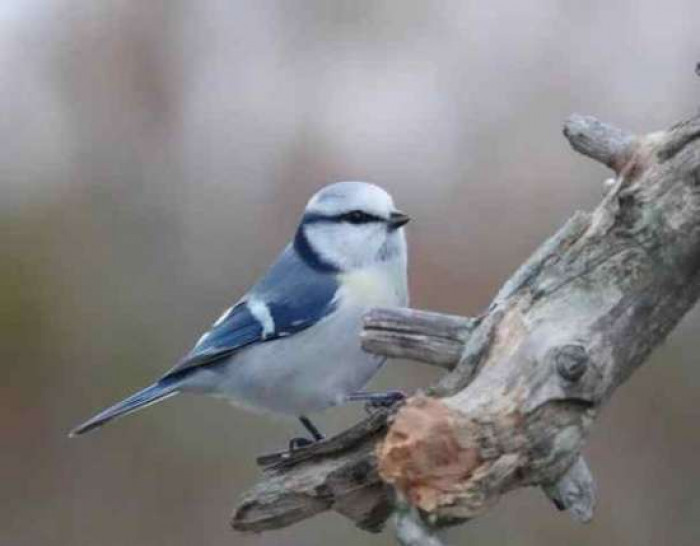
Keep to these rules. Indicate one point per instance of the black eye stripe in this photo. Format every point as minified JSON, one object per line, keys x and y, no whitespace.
{"x":359,"y":217}
{"x":351,"y":217}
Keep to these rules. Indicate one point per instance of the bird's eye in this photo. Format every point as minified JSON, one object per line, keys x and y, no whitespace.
{"x":357,"y":217}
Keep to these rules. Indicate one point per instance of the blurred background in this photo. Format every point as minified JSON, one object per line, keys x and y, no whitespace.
{"x":156,"y":156}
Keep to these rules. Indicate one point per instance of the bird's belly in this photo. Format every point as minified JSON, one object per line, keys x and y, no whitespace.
{"x":306,"y":372}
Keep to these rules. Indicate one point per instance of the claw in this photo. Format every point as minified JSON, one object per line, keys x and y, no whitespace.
{"x":392,"y":397}
{"x":377,"y":400}
{"x":295,"y":444}
{"x":299,"y":443}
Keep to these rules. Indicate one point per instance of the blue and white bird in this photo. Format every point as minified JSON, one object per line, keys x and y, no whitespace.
{"x":291,"y":345}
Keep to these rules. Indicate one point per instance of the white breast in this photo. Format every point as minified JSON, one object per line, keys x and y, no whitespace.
{"x":376,"y":286}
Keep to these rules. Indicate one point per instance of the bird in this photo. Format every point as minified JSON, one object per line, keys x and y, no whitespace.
{"x":291,"y":344}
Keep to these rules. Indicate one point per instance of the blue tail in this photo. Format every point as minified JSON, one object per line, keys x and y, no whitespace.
{"x":150,"y":395}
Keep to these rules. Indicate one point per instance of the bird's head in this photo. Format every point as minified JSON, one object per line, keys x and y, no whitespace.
{"x":351,"y":225}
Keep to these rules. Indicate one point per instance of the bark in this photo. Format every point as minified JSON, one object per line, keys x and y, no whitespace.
{"x":527,"y":379}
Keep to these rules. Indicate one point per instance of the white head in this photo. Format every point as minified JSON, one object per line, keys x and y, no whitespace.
{"x":351,"y":225}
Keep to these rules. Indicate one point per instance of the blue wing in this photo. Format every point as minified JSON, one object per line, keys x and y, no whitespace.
{"x":290,"y":297}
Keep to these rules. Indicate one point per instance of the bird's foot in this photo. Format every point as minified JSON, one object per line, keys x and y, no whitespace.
{"x":384,"y":401}
{"x":377,"y":400}
{"x":295,"y":445}
{"x":300,"y":443}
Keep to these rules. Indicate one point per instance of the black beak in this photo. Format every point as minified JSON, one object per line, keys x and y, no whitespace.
{"x":398,"y":219}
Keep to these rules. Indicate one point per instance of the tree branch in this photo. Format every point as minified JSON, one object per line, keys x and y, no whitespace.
{"x":593,"y":138}
{"x":527,"y":380}
{"x":575,"y":491}
{"x":427,"y":337}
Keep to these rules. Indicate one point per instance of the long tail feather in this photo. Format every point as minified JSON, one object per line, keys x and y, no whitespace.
{"x":144,"y":398}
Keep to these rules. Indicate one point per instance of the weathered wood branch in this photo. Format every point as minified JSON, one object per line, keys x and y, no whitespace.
{"x":528,"y":378}
{"x":600,"y":141}
{"x":427,"y":337}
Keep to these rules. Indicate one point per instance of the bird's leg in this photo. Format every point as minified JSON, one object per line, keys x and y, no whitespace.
{"x":377,"y":400}
{"x":295,"y":444}
{"x":316,"y":436}
{"x":313,"y":430}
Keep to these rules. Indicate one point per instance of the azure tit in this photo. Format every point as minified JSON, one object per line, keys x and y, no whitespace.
{"x":291,"y":345}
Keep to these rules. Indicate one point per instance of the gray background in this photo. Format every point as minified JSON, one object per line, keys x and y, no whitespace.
{"x":156,"y":156}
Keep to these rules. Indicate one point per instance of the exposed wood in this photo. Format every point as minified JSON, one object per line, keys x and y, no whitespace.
{"x":573,"y":323}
